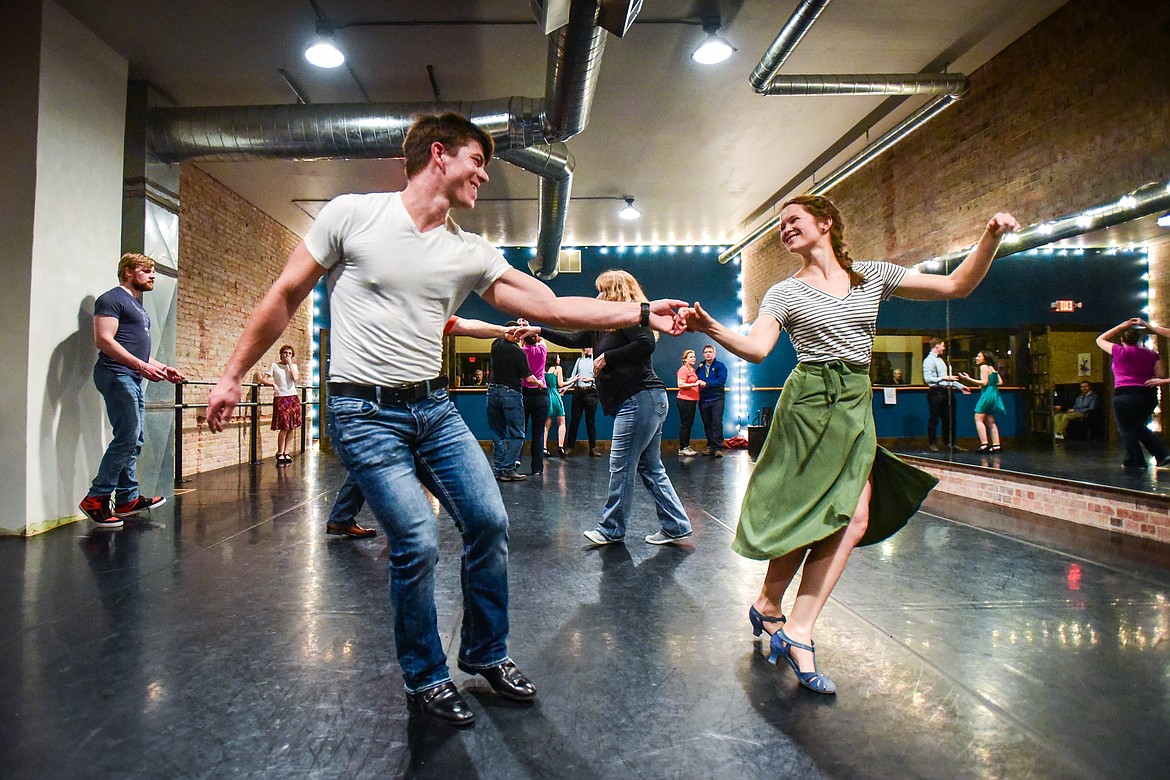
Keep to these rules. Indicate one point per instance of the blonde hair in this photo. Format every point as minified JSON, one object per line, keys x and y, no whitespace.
{"x":688,"y":352}
{"x":132,"y":262}
{"x":617,"y":285}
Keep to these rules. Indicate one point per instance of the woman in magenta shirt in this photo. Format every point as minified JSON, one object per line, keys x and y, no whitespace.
{"x":1137,"y":371}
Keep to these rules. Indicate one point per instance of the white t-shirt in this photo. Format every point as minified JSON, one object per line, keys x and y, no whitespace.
{"x":282,"y":379}
{"x":392,"y":288}
{"x":823,"y":327}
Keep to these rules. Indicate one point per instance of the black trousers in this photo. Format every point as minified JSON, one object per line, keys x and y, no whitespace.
{"x":712,"y":414}
{"x":942,"y":407}
{"x":686,"y":420}
{"x":584,"y":402}
{"x":536,"y":413}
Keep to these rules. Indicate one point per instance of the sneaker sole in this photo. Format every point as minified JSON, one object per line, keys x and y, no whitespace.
{"x":667,"y":540}
{"x":136,"y":511}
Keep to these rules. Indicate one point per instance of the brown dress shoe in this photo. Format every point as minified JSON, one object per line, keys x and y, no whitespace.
{"x":351,"y":529}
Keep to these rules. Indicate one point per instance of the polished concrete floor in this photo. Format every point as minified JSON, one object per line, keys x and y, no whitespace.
{"x":226,"y":636}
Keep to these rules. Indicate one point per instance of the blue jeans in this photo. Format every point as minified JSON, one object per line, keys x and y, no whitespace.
{"x":126,"y":408}
{"x":392,"y":452}
{"x":505,"y":413}
{"x":348,"y":503}
{"x":636,"y":451}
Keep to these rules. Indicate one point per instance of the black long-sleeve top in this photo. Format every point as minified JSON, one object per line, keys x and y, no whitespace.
{"x":627,"y":361}
{"x":509,"y":364}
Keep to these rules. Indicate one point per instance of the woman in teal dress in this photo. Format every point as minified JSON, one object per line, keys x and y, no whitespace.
{"x":554,"y":379}
{"x":989,"y":403}
{"x":821,"y":485}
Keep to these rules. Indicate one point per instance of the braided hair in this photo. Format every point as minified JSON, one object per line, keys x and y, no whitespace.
{"x":823,"y":209}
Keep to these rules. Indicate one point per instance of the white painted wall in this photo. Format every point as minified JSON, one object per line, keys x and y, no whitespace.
{"x":76,"y":246}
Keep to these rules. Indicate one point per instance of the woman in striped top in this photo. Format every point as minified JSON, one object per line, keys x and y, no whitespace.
{"x":821,"y":485}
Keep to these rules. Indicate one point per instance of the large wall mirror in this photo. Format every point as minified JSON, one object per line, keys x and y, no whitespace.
{"x":1038,"y":314}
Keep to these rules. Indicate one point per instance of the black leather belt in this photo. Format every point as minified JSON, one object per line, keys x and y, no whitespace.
{"x":388,"y":394}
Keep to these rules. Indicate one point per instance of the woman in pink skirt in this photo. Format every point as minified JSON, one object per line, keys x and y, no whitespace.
{"x":286,"y":403}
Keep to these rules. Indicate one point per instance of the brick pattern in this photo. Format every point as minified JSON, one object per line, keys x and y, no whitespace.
{"x":1071,"y":115}
{"x":229,"y":255}
{"x":1134,"y":514}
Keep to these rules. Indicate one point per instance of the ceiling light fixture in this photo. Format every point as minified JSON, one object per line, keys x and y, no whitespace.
{"x":323,"y":52}
{"x":628,"y":211}
{"x":714,"y":49}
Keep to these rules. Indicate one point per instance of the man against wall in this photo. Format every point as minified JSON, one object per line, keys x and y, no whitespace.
{"x":583,"y":382}
{"x":121,"y":333}
{"x":1084,"y":404}
{"x":712,"y":383}
{"x":940,"y":396}
{"x":398,"y":269}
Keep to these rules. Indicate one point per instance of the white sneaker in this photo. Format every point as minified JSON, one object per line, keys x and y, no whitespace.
{"x":597,"y":537}
{"x":687,"y":451}
{"x":1059,"y":436}
{"x":660,"y":538}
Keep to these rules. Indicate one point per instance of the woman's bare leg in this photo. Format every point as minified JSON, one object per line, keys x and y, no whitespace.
{"x":780,"y":573}
{"x":826,"y":561}
{"x":981,"y":428}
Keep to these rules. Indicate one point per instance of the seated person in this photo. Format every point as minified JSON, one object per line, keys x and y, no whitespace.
{"x":1084,"y":404}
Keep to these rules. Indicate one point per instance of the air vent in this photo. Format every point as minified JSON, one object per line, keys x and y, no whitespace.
{"x":569,"y":261}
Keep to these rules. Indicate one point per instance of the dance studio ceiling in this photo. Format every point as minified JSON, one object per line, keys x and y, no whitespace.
{"x":703,"y":155}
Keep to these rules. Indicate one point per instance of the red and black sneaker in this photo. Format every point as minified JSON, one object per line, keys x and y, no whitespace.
{"x":97,"y":509}
{"x":140,"y":504}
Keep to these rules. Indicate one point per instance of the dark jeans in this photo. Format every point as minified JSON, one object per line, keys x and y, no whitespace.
{"x":942,"y":407}
{"x":1132,"y":407}
{"x":505,"y":413}
{"x":686,"y":420}
{"x":584,"y":402}
{"x":348,"y":503}
{"x":712,"y":414}
{"x":536,"y":413}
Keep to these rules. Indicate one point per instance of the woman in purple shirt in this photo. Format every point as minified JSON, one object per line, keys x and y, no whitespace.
{"x":1137,"y":371}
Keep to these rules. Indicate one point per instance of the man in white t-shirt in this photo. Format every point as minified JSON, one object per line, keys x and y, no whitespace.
{"x":398,"y":269}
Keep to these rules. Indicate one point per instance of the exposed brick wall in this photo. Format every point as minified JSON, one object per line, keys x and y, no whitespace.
{"x":1073,"y":114}
{"x":229,"y":255}
{"x":1144,"y":516}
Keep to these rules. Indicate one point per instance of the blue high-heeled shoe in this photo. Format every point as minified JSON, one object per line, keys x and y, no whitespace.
{"x":814,"y":681}
{"x":758,"y":620}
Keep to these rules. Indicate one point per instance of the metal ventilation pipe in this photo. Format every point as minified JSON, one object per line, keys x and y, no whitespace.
{"x":574,"y":62}
{"x":553,"y":164}
{"x":322,"y":130}
{"x":893,"y":136}
{"x":1151,"y":198}
{"x":872,"y":84}
{"x":794,"y":29}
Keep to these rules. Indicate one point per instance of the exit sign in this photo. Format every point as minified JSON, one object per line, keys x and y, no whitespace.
{"x":1066,"y":307}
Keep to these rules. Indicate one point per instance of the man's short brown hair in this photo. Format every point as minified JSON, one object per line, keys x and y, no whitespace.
{"x":452,"y":130}
{"x":132,"y":262}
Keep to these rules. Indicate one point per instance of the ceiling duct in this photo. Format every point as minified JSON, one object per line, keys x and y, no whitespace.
{"x":873,"y":84}
{"x":789,"y":36}
{"x":617,"y":15}
{"x":574,"y":63}
{"x":553,"y":164}
{"x":766,"y":81}
{"x":521,"y":127}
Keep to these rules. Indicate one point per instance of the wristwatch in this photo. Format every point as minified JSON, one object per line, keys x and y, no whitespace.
{"x":644,"y":321}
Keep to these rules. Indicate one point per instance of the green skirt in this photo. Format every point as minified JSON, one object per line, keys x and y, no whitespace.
{"x":820,"y":450}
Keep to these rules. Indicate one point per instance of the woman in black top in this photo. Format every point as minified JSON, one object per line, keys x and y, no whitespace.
{"x":631,"y":393}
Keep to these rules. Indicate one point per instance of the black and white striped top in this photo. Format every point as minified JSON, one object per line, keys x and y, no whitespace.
{"x":824,"y":327}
